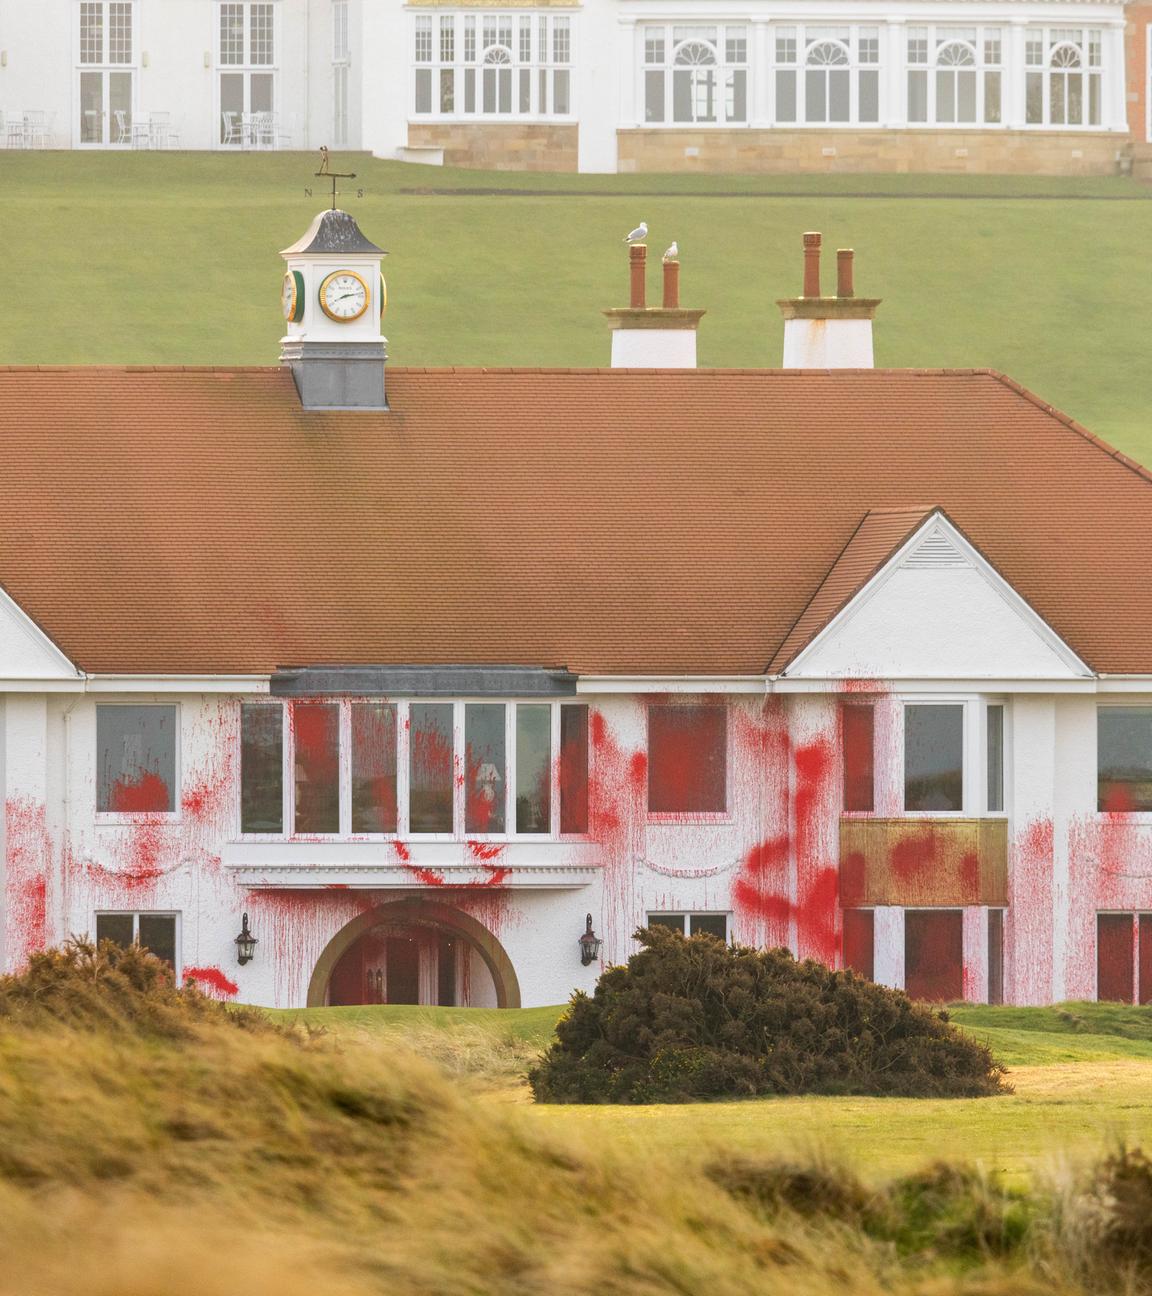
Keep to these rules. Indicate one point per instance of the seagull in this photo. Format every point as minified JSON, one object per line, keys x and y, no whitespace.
{"x":639,"y":234}
{"x":673,"y":252}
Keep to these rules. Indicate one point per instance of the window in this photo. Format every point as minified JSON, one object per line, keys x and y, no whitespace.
{"x":106,"y":75}
{"x":934,"y":757}
{"x":430,"y":768}
{"x":533,"y":769}
{"x":994,"y":756}
{"x":261,"y":768}
{"x":341,"y":57}
{"x":1062,"y":80}
{"x":245,"y":53}
{"x":934,"y":954}
{"x":135,"y":759}
{"x":154,"y":931}
{"x":687,"y":759}
{"x":374,"y":802}
{"x":954,"y":75}
{"x":827,"y":75}
{"x":857,"y":724}
{"x":860,"y":941}
{"x":1124,"y":957}
{"x":1124,"y":758}
{"x":995,"y":956}
{"x":693,"y":924}
{"x":362,"y":767}
{"x":106,"y":31}
{"x":492,"y":65}
{"x":316,"y":731}
{"x":573,"y":769}
{"x":696,"y":75}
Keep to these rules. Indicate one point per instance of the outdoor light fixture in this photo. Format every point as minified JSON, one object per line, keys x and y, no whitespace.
{"x":589,"y":944}
{"x":246,"y":943}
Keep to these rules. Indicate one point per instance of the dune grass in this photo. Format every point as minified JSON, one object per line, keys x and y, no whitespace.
{"x":172,"y":259}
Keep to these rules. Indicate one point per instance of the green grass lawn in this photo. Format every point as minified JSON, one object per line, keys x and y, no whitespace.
{"x":1082,"y":1074}
{"x":172,"y":259}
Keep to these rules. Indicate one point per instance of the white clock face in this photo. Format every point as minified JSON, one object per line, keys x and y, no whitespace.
{"x":344,"y":296}
{"x":288,"y":296}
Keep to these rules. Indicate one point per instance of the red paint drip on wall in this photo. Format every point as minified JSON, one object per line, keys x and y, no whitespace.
{"x":28,"y":861}
{"x":212,"y":979}
{"x":146,"y":793}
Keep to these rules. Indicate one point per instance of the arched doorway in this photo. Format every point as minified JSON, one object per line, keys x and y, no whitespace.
{"x":414,"y":951}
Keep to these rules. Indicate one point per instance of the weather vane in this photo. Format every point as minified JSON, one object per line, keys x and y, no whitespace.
{"x":326,"y":173}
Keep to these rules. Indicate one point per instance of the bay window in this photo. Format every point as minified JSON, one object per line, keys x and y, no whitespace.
{"x":1062,"y":80}
{"x":493,"y":65}
{"x":445,"y":769}
{"x":827,"y":75}
{"x":954,"y":75}
{"x":696,"y":75}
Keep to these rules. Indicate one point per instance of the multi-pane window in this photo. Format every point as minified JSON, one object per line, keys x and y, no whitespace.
{"x":492,"y":64}
{"x":696,"y":75}
{"x":135,"y":759}
{"x":247,"y":33}
{"x":424,"y":767}
{"x":341,"y":58}
{"x":106,"y":32}
{"x":1062,"y":79}
{"x":156,"y":932}
{"x":1124,"y":758}
{"x":827,"y":75}
{"x":693,"y":924}
{"x":954,"y":75}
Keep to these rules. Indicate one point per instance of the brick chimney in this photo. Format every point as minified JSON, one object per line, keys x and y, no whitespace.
{"x":827,"y":332}
{"x":653,"y":337}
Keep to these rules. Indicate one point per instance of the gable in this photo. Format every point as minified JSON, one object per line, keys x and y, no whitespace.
{"x":937,"y":610}
{"x":26,"y":652}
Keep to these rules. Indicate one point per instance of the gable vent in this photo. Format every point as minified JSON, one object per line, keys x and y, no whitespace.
{"x":935,"y":550}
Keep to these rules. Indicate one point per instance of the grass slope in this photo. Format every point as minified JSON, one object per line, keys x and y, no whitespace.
{"x":171,"y":259}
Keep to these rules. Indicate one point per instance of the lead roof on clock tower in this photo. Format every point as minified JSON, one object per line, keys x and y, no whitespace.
{"x":334,"y":231}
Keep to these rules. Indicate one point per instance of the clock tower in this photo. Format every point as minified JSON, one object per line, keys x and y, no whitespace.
{"x":333,"y":298}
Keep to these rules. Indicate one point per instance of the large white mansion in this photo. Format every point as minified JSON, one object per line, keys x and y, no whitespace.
{"x":1042,"y":86}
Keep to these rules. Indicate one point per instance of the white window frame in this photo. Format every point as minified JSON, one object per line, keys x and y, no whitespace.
{"x":106,"y":67}
{"x":110,"y":818}
{"x":807,"y":38}
{"x":541,"y":67}
{"x":676,"y":38}
{"x":693,"y":816}
{"x":403,"y":756}
{"x":1052,"y":39}
{"x":1123,"y":816}
{"x":686,"y":914}
{"x":941,"y":36}
{"x":246,"y":67}
{"x":341,"y":63}
{"x":974,"y":765}
{"x":135,"y":915}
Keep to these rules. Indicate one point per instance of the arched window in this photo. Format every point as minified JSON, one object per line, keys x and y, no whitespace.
{"x":826,"y":74}
{"x":694,"y":82}
{"x":956,"y":83}
{"x":1062,"y":84}
{"x":696,"y":75}
{"x":827,"y":83}
{"x":497,"y":82}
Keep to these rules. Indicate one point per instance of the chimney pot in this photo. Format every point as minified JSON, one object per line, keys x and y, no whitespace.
{"x":811,"y":265}
{"x":671,"y":285}
{"x":638,"y":263}
{"x":844,"y":273}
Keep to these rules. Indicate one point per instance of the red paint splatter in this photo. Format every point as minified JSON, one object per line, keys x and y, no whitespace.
{"x":28,"y":858}
{"x":211,"y":979}
{"x":146,"y":793}
{"x":402,"y":851}
{"x":687,"y":758}
{"x":817,"y":875}
{"x":912,"y":857}
{"x":1028,"y":934}
{"x":757,"y":889}
{"x":486,"y":850}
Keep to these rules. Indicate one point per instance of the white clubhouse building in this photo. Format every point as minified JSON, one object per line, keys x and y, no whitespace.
{"x":1028,"y":86}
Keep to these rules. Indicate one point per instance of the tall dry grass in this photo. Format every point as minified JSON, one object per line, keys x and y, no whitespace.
{"x":212,"y":1156}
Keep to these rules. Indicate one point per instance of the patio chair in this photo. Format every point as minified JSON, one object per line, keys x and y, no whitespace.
{"x":37,"y":128}
{"x":231,"y":128}
{"x":123,"y":127}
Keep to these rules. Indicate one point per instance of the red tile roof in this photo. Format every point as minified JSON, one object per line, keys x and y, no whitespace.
{"x":194,"y":521}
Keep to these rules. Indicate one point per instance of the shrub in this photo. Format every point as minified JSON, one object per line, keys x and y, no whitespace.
{"x":689,"y":1019}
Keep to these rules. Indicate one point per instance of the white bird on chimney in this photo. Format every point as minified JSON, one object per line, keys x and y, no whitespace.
{"x":673,"y":252}
{"x":639,"y":234}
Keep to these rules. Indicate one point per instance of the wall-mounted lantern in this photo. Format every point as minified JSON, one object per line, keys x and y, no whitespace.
{"x":589,"y":944}
{"x":245,"y":944}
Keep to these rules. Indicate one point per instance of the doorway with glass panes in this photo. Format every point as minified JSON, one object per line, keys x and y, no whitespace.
{"x":106,"y":74}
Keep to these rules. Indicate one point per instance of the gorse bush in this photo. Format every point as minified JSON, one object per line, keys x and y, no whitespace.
{"x":695,"y":1018}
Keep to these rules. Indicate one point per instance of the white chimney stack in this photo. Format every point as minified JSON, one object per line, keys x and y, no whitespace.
{"x":827,"y":332}
{"x":653,"y":337}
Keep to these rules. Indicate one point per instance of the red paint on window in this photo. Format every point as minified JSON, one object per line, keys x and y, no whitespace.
{"x":853,"y":870}
{"x":934,"y":954}
{"x":859,"y":941}
{"x":573,"y":769}
{"x":211,"y":979}
{"x":1115,"y":957}
{"x":687,"y":759}
{"x":1144,"y":981}
{"x":857,"y":731}
{"x":146,"y":793}
{"x":316,"y":726}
